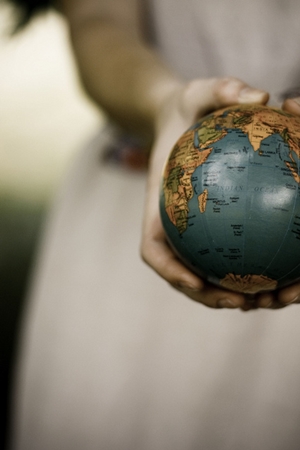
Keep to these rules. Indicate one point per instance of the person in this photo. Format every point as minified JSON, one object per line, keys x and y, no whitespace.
{"x":112,"y":356}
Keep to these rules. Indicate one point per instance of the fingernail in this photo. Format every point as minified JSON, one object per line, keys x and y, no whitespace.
{"x":297,"y":100}
{"x":251,"y":95}
{"x":226,"y":303}
{"x":265,"y":301}
{"x":295,"y":300}
{"x":189,"y":287}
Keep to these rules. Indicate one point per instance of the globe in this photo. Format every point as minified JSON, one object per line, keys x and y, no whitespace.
{"x":230,"y":198}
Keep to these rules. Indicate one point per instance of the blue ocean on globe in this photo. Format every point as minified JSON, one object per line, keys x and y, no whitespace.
{"x":230,"y":198}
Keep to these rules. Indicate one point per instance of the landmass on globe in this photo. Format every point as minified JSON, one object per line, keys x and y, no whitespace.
{"x":235,"y":164}
{"x":249,"y":284}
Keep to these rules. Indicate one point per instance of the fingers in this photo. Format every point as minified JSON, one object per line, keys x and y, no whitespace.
{"x":279,"y":299}
{"x":233,"y":90}
{"x":289,"y":295}
{"x":216,"y":298}
{"x":292,"y":105}
{"x":201,"y":96}
{"x":266,"y":300}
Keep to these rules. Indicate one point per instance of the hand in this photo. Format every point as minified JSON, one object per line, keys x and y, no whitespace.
{"x":178,"y":112}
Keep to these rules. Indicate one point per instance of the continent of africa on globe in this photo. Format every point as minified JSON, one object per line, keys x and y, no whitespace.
{"x":230,"y":198}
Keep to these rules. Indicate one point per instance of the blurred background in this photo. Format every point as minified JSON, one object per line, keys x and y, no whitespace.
{"x":45,"y":118}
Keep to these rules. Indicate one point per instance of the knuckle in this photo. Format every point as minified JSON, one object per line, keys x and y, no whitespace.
{"x":226,"y":85}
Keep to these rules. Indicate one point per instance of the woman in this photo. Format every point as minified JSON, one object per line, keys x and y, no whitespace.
{"x":112,"y":357}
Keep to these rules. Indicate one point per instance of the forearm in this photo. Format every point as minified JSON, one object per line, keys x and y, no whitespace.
{"x":120,"y":72}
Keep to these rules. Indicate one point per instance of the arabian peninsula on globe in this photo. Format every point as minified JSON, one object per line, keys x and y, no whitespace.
{"x":230,"y":198}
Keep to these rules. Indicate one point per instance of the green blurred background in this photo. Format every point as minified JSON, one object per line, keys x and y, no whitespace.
{"x":45,"y":118}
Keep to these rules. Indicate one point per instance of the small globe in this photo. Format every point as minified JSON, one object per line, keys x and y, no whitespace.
{"x":230,"y":198}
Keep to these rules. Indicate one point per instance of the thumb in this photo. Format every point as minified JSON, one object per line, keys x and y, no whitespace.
{"x":292,"y":105}
{"x":204,"y":95}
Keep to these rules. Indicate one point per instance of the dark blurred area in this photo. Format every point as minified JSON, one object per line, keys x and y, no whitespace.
{"x":20,"y":225}
{"x":44,"y":119}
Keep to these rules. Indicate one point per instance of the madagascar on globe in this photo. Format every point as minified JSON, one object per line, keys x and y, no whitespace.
{"x":230,"y":198}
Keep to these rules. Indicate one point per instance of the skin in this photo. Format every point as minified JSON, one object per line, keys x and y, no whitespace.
{"x":127,"y":79}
